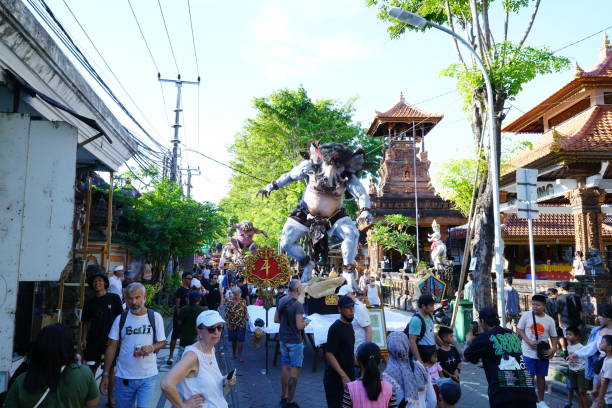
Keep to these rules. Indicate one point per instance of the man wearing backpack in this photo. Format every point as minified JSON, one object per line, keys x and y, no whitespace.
{"x":138,"y":334}
{"x":420,"y":328}
{"x":569,"y":311}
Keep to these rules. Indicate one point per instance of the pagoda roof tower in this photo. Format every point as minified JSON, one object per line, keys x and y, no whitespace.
{"x":404,"y":171}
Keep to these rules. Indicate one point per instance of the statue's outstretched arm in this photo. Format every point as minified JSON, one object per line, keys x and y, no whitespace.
{"x":358,"y":191}
{"x":297,"y":173}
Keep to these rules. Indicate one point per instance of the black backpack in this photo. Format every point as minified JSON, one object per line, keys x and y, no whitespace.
{"x":150,"y":315}
{"x":423,"y":327}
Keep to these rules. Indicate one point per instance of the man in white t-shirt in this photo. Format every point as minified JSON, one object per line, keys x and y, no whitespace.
{"x":140,"y":332}
{"x":361,"y":321}
{"x":531,"y":323}
{"x":115,"y":282}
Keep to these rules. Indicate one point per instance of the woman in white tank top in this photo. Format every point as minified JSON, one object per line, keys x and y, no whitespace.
{"x":196,"y":381}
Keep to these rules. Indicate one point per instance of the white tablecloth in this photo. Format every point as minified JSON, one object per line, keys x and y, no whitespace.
{"x":319,"y":324}
{"x":395,"y":321}
{"x":256,"y":312}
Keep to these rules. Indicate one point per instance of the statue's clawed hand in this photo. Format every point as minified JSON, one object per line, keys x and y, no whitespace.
{"x":365,"y":217}
{"x":264,"y":193}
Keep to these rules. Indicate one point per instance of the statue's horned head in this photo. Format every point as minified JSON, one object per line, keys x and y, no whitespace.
{"x":334,"y":159}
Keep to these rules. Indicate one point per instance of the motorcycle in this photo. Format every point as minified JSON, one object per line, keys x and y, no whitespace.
{"x":442,"y":314}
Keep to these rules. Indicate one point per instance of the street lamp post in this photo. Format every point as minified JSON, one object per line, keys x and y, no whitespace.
{"x":419,"y":22}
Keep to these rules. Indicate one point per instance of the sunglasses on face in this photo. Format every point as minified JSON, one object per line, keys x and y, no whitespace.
{"x":212,"y":329}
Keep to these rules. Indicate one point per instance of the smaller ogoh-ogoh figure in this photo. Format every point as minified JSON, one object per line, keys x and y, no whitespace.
{"x":331,"y":171}
{"x":239,"y":243}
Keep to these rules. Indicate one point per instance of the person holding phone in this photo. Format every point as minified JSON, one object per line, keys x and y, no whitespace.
{"x":196,"y":381}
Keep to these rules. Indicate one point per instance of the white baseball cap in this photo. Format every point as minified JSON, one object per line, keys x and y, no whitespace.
{"x":209,"y":318}
{"x":345,"y":290}
{"x":118,"y":268}
{"x":195,"y":283}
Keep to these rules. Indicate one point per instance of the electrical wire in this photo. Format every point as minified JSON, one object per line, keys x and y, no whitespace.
{"x":66,"y":39}
{"x":582,"y":39}
{"x":161,"y":10}
{"x":143,"y":37}
{"x":109,"y":68}
{"x":163,"y":95}
{"x":195,"y":53}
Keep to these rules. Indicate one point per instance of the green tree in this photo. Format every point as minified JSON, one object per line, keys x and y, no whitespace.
{"x":510,"y":65}
{"x":454,"y":180}
{"x":392,"y":233}
{"x":272,"y":142}
{"x":164,"y":223}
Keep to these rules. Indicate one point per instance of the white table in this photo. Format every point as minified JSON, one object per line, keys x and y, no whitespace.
{"x":319,"y":324}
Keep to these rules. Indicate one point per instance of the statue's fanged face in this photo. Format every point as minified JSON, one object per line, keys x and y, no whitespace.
{"x":332,"y":162}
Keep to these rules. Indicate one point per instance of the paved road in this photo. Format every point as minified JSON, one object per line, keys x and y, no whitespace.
{"x":255,"y":389}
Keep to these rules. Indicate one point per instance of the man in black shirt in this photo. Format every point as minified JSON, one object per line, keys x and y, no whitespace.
{"x":339,"y":353}
{"x":213,"y":297}
{"x":510,"y":384}
{"x":98,"y":316}
{"x":181,"y":296}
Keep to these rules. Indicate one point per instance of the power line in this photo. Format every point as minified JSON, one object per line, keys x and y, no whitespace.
{"x":195,"y":53}
{"x":582,"y":39}
{"x":61,"y":33}
{"x":168,"y":35}
{"x":164,"y":106}
{"x":143,"y":36}
{"x":109,"y":68}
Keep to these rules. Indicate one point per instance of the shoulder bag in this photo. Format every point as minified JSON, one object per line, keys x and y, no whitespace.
{"x":543,"y":346}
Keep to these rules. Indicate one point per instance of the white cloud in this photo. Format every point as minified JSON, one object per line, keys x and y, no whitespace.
{"x":285,"y":46}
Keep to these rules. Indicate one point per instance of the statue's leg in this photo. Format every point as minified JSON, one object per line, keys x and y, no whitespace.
{"x":345,"y":229}
{"x":292,"y":232}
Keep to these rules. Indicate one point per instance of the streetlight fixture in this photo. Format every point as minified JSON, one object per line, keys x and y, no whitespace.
{"x":417,"y":21}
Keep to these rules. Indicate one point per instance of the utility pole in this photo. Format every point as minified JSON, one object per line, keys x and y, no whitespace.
{"x":190,"y":171}
{"x":177,"y":113}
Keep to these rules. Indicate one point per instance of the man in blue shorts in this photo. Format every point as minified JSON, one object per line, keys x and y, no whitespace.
{"x":290,"y":315}
{"x":537,"y":327}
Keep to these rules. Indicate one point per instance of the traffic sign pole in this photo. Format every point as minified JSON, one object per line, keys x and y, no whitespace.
{"x":531,"y":255}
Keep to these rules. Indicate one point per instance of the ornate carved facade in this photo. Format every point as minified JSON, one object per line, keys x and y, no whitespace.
{"x":588,"y":218}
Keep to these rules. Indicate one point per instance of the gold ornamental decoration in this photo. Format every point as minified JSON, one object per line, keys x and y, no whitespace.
{"x":266,"y":269}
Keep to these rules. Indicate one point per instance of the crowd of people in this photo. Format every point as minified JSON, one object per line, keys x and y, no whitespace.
{"x":421,"y":368}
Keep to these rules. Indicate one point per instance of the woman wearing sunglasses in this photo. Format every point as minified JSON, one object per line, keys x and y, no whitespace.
{"x":196,"y":381}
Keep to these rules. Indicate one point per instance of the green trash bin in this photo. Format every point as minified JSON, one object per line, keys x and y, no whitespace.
{"x":463,"y":321}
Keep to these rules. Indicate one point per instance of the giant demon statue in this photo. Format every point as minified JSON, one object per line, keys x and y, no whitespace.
{"x":331,"y":171}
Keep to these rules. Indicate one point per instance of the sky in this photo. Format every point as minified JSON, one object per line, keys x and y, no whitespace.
{"x":335,"y":49}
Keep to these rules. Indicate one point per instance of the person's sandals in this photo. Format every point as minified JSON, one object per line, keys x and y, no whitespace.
{"x":169,"y":361}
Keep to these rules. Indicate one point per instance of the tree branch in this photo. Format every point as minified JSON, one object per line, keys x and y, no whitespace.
{"x":449,"y":19}
{"x":506,"y":21}
{"x":534,"y":12}
{"x":485,"y":21}
{"x":479,"y":37}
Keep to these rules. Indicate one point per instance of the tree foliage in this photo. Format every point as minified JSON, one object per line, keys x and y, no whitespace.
{"x":392,"y":233}
{"x":271,"y":143}
{"x":164,"y":223}
{"x":454,"y":179}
